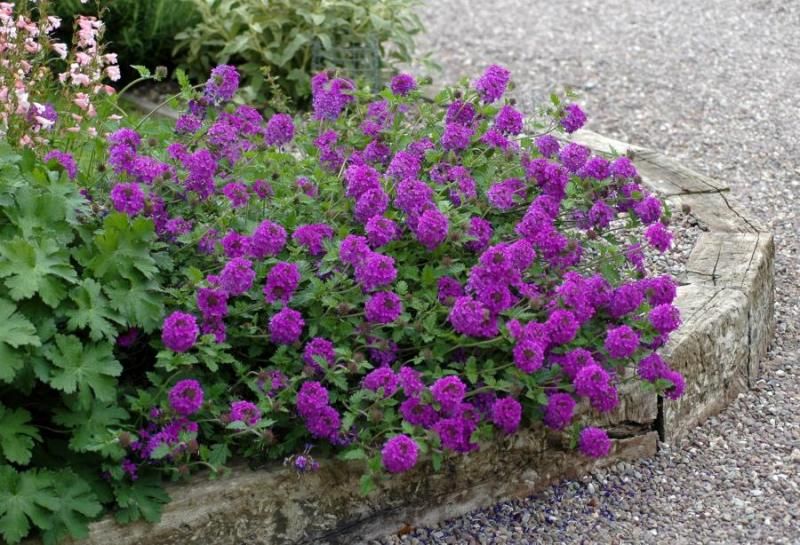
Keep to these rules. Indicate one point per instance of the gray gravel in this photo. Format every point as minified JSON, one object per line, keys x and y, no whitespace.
{"x":713,"y":83}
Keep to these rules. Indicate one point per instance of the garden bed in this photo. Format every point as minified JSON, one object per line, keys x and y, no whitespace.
{"x":727,"y":305}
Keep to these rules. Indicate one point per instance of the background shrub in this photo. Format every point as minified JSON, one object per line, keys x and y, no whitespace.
{"x":139,"y":31}
{"x":280,"y":36}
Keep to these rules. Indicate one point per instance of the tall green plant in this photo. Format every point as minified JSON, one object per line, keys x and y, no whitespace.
{"x":276,"y":41}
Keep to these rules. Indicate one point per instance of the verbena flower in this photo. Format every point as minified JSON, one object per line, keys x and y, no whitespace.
{"x":186,"y":397}
{"x":282,"y":281}
{"x":286,"y":326}
{"x":594,"y":442}
{"x":280,"y":130}
{"x":506,"y":414}
{"x":621,"y":341}
{"x":245,"y":411}
{"x":128,"y":198}
{"x":573,"y":118}
{"x":383,"y":307}
{"x":223,"y":84}
{"x":237,"y":276}
{"x":319,"y":350}
{"x":268,"y":239}
{"x":179,"y":331}
{"x":559,"y":410}
{"x":381,"y":379}
{"x":448,"y":392}
{"x":64,"y":159}
{"x":492,"y":84}
{"x":402,"y":84}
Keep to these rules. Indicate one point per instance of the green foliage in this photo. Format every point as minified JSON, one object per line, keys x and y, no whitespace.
{"x":275,"y":44}
{"x":139,"y":31}
{"x":66,"y":280}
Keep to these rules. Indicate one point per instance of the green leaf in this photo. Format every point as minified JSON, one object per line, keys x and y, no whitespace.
{"x":93,"y":311}
{"x":140,"y":304}
{"x":143,"y":71}
{"x":436,"y":459}
{"x":25,"y":498}
{"x":353,"y":454}
{"x":367,"y":484}
{"x":471,"y":370}
{"x":77,"y":506}
{"x":122,"y":249}
{"x":15,"y":331}
{"x":81,"y":368}
{"x":29,"y":269}
{"x":16,"y":435}
{"x":428,"y":276}
{"x":94,"y":429}
{"x":143,"y":498}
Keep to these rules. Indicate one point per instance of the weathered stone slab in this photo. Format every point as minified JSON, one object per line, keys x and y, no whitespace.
{"x":742,"y":262}
{"x":712,"y":351}
{"x":276,"y":507}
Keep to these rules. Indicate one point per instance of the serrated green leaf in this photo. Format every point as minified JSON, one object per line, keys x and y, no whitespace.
{"x":143,"y":498}
{"x":140,"y":304}
{"x":25,"y":498}
{"x":122,"y":249}
{"x":15,"y":331}
{"x":93,"y":311}
{"x":77,"y":506}
{"x":94,"y":429}
{"x":36,"y":268}
{"x":17,"y":437}
{"x":83,"y":368}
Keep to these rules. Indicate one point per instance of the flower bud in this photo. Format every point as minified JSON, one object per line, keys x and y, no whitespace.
{"x":124,"y":439}
{"x":268,"y":437}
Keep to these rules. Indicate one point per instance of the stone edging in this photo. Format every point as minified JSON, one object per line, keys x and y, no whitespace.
{"x":727,"y":307}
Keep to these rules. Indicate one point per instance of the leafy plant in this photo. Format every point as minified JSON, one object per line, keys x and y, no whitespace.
{"x":58,"y":326}
{"x":274,"y":43}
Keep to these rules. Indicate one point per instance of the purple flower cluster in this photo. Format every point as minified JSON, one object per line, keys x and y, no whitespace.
{"x":286,"y":326}
{"x":179,"y":331}
{"x":128,"y":198}
{"x":382,"y":379}
{"x":322,"y":420}
{"x":312,"y":236}
{"x":330,"y":96}
{"x":280,"y":130}
{"x":186,"y":397}
{"x":383,"y":307}
{"x":223,"y":84}
{"x":492,"y":84}
{"x":282,"y":281}
{"x":506,"y":414}
{"x":594,"y":442}
{"x":402,"y":84}
{"x":246,"y":412}
{"x":399,"y":454}
{"x":318,"y":351}
{"x":64,"y":159}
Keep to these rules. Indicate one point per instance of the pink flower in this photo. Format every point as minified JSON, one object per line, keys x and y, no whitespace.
{"x":60,"y":49}
{"x":113,"y":73}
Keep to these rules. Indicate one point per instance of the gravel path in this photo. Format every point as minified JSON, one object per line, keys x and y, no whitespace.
{"x":713,"y":83}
